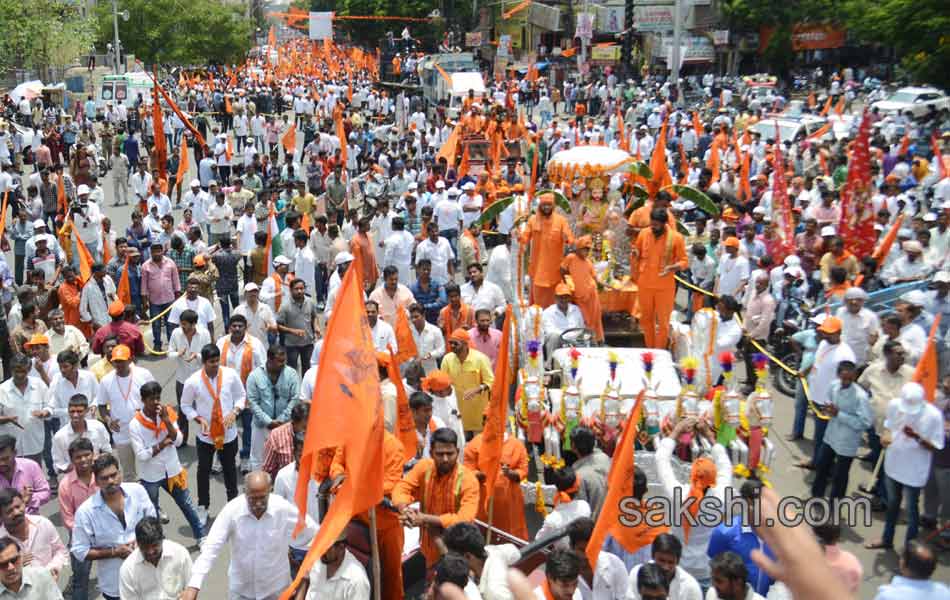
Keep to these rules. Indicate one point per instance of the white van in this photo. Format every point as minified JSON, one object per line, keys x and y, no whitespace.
{"x":123,"y":88}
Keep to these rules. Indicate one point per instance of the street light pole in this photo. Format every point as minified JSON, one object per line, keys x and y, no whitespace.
{"x":115,"y":31}
{"x":675,"y":54}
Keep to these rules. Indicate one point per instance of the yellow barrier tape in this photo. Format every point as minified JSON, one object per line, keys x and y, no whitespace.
{"x":147,"y":322}
{"x":791,"y":371}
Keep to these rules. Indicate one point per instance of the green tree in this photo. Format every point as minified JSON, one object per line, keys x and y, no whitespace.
{"x":42,"y":34}
{"x":919,"y":30}
{"x":180,"y":32}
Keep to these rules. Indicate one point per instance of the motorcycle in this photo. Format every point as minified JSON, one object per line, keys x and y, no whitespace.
{"x":792,"y":315}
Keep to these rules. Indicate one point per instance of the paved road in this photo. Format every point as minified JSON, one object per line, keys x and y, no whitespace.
{"x":788,"y":480}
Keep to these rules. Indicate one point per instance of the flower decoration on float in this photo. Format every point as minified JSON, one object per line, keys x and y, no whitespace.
{"x":534,"y":348}
{"x":647,"y":359}
{"x":760,"y":365}
{"x":613,"y":361}
{"x":726,"y":361}
{"x":575,"y":356}
{"x":688,"y":366}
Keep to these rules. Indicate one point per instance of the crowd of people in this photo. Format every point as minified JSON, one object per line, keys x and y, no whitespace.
{"x":300,"y":177}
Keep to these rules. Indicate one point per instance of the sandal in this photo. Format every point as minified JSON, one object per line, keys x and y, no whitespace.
{"x":878,"y":545}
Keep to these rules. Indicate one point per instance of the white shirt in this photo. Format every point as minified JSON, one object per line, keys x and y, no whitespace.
{"x":610,"y":579}
{"x":179,"y":348}
{"x":906,"y":461}
{"x":259,"y":567}
{"x":683,"y":587}
{"x":856,"y":331}
{"x":95,"y":432}
{"x":198,"y":203}
{"x":825,"y":371}
{"x":307,"y":383}
{"x":563,"y":515}
{"x":555,"y":322}
{"x":257,"y":320}
{"x":305,"y":268}
{"x":447,"y":214}
{"x":499,"y":271}
{"x":141,"y":580}
{"x":61,"y":390}
{"x":732,"y":273}
{"x":466,"y":201}
{"x":383,"y":336}
{"x":162,"y":202}
{"x":163,"y":465}
{"x":269,"y":293}
{"x":439,"y":254}
{"x":487,"y":296}
{"x":430,"y":343}
{"x":123,"y":397}
{"x":219,"y":217}
{"x":236,"y":352}
{"x":200,"y":305}
{"x":246,"y":228}
{"x":539,"y":593}
{"x":348,"y":583}
{"x":196,"y":400}
{"x":914,"y":339}
{"x":285,"y":486}
{"x":93,"y":304}
{"x":397,"y":252}
{"x":29,"y":439}
{"x":493,"y":584}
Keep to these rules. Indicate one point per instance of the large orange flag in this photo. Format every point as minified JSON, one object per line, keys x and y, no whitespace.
{"x":631,"y":536}
{"x":661,"y":173}
{"x":3,"y":214}
{"x":182,"y":163}
{"x":405,"y":426}
{"x":464,"y":164}
{"x":61,"y":193}
{"x":905,"y":145}
{"x":347,"y":412}
{"x":450,"y":147}
{"x":713,"y":163}
{"x":341,"y":133}
{"x":697,"y":126}
{"x":85,"y":257}
{"x":158,"y":127}
{"x":624,"y":140}
{"x":404,"y":339}
{"x":884,"y":249}
{"x":926,"y":372}
{"x":826,"y":108}
{"x":289,"y":139}
{"x":177,"y":111}
{"x":493,"y":435}
{"x":123,"y":288}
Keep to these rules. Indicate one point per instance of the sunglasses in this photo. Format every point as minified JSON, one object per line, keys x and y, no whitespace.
{"x":6,"y":563}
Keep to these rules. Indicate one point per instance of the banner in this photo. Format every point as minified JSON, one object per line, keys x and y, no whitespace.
{"x":608,"y":53}
{"x":585,"y":26}
{"x":720,"y":37}
{"x":653,"y":18}
{"x":811,"y":36}
{"x":321,"y":26}
{"x":610,"y":18}
{"x":693,"y":49}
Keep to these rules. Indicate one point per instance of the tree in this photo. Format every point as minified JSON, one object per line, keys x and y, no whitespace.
{"x":169,"y":31}
{"x":916,"y":29}
{"x":42,"y":34}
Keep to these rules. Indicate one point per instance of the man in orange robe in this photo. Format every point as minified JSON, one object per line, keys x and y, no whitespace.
{"x":640,"y":218}
{"x":69,"y":294}
{"x":658,"y":253}
{"x":362,"y":246}
{"x":582,"y":274}
{"x":447,"y":492}
{"x":507,"y":499}
{"x":389,"y":532}
{"x":548,"y":233}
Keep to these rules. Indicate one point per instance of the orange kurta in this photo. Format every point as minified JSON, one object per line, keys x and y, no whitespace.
{"x":362,"y":245}
{"x":453,"y":497}
{"x":640,"y":218}
{"x":586,"y":298}
{"x":657,"y":292}
{"x":507,"y":499}
{"x":389,"y":532}
{"x":69,"y":296}
{"x":547,"y":237}
{"x":450,"y":322}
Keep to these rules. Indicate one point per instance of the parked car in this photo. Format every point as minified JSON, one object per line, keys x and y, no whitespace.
{"x":917,"y":100}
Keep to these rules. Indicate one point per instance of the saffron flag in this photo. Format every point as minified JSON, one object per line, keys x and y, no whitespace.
{"x":177,"y":111}
{"x":289,"y":139}
{"x":3,"y":214}
{"x":124,"y":289}
{"x":405,"y":426}
{"x":493,"y":435}
{"x":341,"y":134}
{"x":158,"y":126}
{"x":820,"y":132}
{"x":780,"y":199}
{"x":697,"y":126}
{"x":857,"y":213}
{"x":926,"y":372}
{"x":106,"y":255}
{"x":404,"y":339}
{"x":347,"y":412}
{"x":940,"y":168}
{"x":811,"y":100}
{"x":85,"y":257}
{"x":839,"y":108}
{"x":228,"y":149}
{"x":464,"y":164}
{"x":885,"y":246}
{"x":661,"y":173}
{"x":61,"y":193}
{"x":450,"y":147}
{"x":624,"y":140}
{"x":182,"y":162}
{"x":825,"y":108}
{"x":905,"y":145}
{"x":631,"y":536}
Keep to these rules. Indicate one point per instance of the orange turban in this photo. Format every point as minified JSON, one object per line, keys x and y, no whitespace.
{"x":562,"y":289}
{"x":584,"y":241}
{"x":701,"y":478}
{"x":436,"y":381}
{"x":459,"y":335}
{"x":116,"y":308}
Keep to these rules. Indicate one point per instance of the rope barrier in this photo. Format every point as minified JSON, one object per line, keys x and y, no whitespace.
{"x":791,"y":371}
{"x":147,"y":322}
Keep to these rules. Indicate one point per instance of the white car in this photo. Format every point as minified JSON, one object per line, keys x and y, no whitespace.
{"x":917,"y":100}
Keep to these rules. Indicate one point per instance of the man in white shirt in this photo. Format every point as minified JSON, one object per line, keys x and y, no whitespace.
{"x":558,"y":318}
{"x":305,"y":263}
{"x":859,"y":325}
{"x":261,"y":321}
{"x":95,"y":298}
{"x":566,"y":511}
{"x":608,"y":576}
{"x":338,"y":574}
{"x":140,"y":183}
{"x":734,"y":271}
{"x":562,"y":571}
{"x":184,"y":347}
{"x":157,"y":568}
{"x":285,"y":483}
{"x":448,"y":217}
{"x":428,"y":337}
{"x":200,"y":305}
{"x":667,"y":550}
{"x":384,"y":336}
{"x":69,"y":381}
{"x":479,"y":293}
{"x":197,"y":201}
{"x":438,"y":251}
{"x":22,"y":397}
{"x":79,"y":426}
{"x":397,"y":250}
{"x":118,"y":399}
{"x":214,"y":397}
{"x":470,"y":203}
{"x":488,"y":564}
{"x":259,"y":526}
{"x":155,"y":439}
{"x":220,"y":216}
{"x":159,"y":200}
{"x":275,"y":290}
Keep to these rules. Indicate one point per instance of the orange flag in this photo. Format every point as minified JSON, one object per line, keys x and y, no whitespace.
{"x":493,"y":435}
{"x":182,"y":163}
{"x":811,"y":100}
{"x":840,"y":106}
{"x":826,"y":108}
{"x":661,"y":173}
{"x":61,"y":193}
{"x":697,"y":126}
{"x":885,"y":247}
{"x":926,"y":372}
{"x":404,"y":339}
{"x":624,"y":140}
{"x":85,"y":257}
{"x":619,"y":489}
{"x":106,"y":255}
{"x":713,"y":164}
{"x":289,"y":139}
{"x":123,"y":289}
{"x":745,"y":186}
{"x":684,"y":166}
{"x":450,"y":147}
{"x":272,"y":37}
{"x":905,"y":145}
{"x":341,"y":134}
{"x":228,"y":149}
{"x":3,"y":215}
{"x":347,"y":412}
{"x":177,"y":111}
{"x":463,"y":165}
{"x":820,"y":131}
{"x":405,"y":426}
{"x":158,"y":126}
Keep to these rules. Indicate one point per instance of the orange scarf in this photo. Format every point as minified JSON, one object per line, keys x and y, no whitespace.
{"x":148,"y":424}
{"x":547,"y":590}
{"x":451,"y":323}
{"x":247,"y":357}
{"x":701,"y":478}
{"x":278,"y":284}
{"x":565,"y":496}
{"x":216,"y":430}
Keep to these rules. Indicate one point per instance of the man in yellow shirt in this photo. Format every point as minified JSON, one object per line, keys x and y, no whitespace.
{"x":304,"y":203}
{"x":472,"y":377}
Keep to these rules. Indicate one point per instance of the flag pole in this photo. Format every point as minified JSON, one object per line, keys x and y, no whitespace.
{"x":374,"y":552}
{"x":869,"y":484}
{"x":491,"y":512}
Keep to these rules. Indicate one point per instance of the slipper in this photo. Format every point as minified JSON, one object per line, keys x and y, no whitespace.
{"x":878,"y":545}
{"x":805,"y":464}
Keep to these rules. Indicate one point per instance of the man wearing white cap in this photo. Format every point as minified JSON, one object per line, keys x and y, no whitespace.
{"x":471,"y":203}
{"x":261,"y":322}
{"x":909,"y":267}
{"x":276,"y":289}
{"x":913,"y":429}
{"x":39,"y":231}
{"x":448,"y":216}
{"x":341,"y":263}
{"x":859,"y":325}
{"x":88,"y":223}
{"x":197,"y":201}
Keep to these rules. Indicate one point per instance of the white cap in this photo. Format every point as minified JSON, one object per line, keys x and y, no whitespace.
{"x":904,"y":232}
{"x":942,"y":277}
{"x":413,"y":185}
{"x":912,"y":246}
{"x":759,"y":210}
{"x":195,"y":183}
{"x":912,"y":398}
{"x":453,"y":191}
{"x":878,"y":227}
{"x":39,"y":223}
{"x":930,"y":217}
{"x":468,"y":186}
{"x":855,"y":293}
{"x":342,"y":258}
{"x":282,"y":260}
{"x":792,"y":260}
{"x":250,"y":287}
{"x":914,"y":298}
{"x":795,"y":272}
{"x":827,"y":230}
{"x":82,"y":190}
{"x":212,"y":182}
{"x":440,"y":185}
{"x":688,"y":205}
